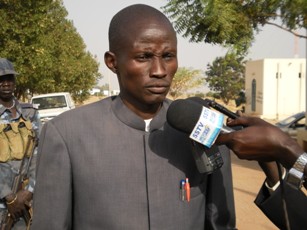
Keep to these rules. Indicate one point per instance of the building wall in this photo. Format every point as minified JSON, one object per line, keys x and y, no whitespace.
{"x":275,"y":88}
{"x":254,"y":87}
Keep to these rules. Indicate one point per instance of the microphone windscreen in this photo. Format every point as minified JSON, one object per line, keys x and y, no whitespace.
{"x":183,"y":114}
{"x":204,"y":102}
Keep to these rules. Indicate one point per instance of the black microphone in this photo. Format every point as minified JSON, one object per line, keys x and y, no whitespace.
{"x":184,"y":115}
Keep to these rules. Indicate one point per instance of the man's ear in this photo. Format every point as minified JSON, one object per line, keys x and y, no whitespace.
{"x":110,"y":61}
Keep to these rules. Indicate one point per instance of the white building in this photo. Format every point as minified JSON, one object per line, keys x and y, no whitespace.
{"x":275,"y":88}
{"x":95,"y":91}
{"x":110,"y":93}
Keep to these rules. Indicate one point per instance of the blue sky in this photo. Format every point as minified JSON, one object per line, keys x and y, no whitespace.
{"x":91,"y":19}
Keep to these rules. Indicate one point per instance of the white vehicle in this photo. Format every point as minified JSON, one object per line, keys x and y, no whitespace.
{"x":52,"y":104}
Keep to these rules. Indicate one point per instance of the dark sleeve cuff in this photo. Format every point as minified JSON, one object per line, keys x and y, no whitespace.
{"x":272,"y":207}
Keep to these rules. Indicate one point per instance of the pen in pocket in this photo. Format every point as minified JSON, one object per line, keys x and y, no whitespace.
{"x":187,"y":189}
{"x":182,"y":190}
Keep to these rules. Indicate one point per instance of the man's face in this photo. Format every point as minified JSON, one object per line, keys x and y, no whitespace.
{"x":146,"y":64}
{"x":7,"y":86}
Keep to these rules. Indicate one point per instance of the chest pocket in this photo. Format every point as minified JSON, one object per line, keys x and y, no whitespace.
{"x":15,"y":139}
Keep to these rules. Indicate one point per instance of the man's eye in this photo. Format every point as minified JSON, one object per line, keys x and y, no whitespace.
{"x":144,"y":57}
{"x":169,"y":56}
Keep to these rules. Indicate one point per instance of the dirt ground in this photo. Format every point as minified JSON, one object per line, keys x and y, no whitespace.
{"x":247,"y":180}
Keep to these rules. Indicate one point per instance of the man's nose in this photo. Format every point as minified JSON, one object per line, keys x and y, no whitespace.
{"x":158,"y":68}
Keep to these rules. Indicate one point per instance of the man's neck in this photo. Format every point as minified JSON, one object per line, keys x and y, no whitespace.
{"x":7,"y":102}
{"x":142,"y":110}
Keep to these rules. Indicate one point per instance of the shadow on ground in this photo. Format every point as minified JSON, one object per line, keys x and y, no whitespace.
{"x":244,"y":163}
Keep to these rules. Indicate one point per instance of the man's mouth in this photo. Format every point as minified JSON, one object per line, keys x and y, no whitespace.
{"x":6,"y":91}
{"x":158,"y":89}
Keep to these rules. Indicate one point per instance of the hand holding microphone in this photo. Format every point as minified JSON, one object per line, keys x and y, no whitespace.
{"x":261,"y":141}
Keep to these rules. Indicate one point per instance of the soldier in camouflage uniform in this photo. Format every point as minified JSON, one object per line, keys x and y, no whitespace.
{"x":12,"y":111}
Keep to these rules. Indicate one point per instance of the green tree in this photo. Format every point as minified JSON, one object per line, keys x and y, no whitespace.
{"x":185,"y":79}
{"x":233,"y":23}
{"x":226,"y":76}
{"x":46,"y":49}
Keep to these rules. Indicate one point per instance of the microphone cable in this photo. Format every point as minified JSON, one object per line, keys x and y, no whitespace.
{"x":283,"y":200}
{"x":232,"y":115}
{"x":280,"y":173}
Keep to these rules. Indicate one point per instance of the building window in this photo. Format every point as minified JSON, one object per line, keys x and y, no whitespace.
{"x":254,"y":95}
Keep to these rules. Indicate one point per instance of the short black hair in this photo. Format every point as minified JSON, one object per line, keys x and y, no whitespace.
{"x":126,"y":20}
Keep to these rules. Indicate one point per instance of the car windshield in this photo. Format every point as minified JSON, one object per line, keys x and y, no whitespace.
{"x":288,"y":120}
{"x":51,"y":102}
